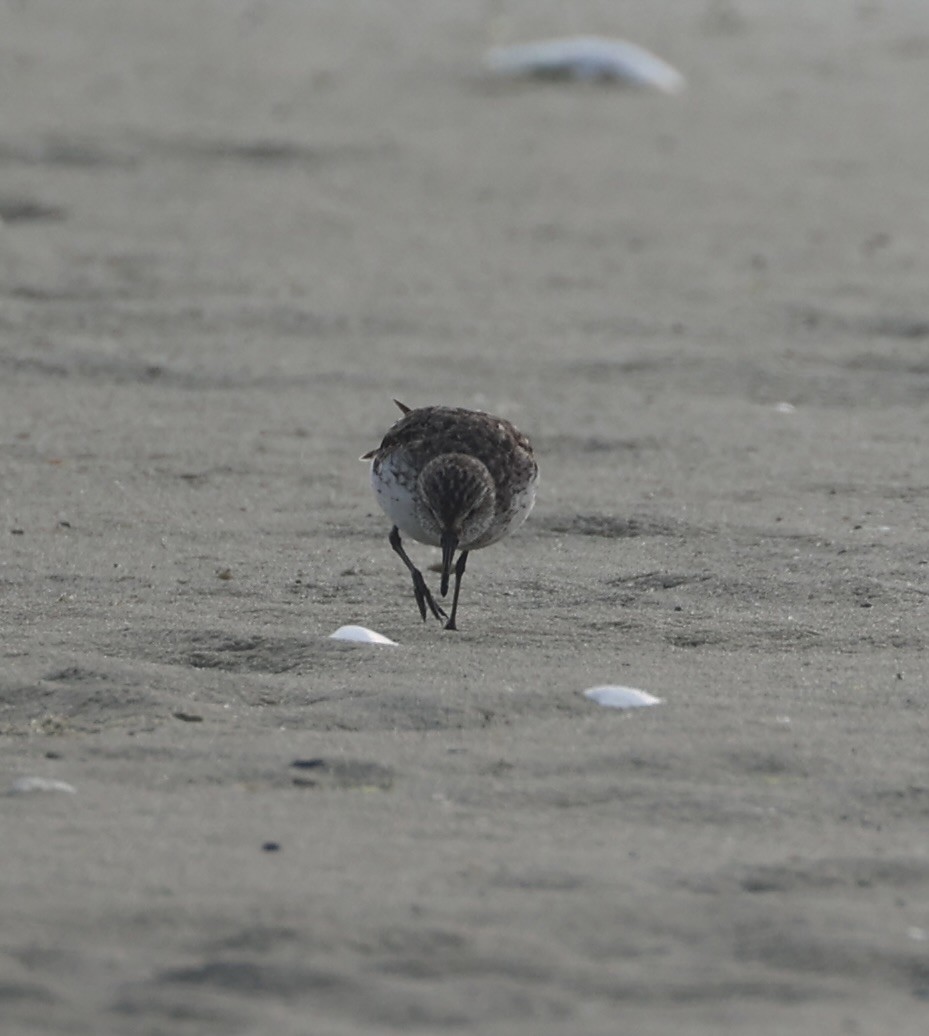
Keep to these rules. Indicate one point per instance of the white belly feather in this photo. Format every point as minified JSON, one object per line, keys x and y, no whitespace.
{"x":398,"y":501}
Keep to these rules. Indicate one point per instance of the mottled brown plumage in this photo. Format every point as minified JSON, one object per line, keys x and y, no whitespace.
{"x":456,"y":479}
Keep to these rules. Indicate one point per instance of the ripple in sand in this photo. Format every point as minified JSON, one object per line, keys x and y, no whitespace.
{"x":25,"y":785}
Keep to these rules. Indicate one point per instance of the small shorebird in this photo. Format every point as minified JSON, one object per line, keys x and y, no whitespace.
{"x":452,"y":478}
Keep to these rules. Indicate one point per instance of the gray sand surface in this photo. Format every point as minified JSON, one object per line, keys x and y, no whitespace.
{"x":233,"y":231}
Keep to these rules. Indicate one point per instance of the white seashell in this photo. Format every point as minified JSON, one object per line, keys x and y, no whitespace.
{"x":360,"y":635}
{"x":586,"y":58}
{"x":24,"y":785}
{"x":621,"y":697}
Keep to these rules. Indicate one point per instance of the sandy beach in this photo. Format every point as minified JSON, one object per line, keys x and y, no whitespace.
{"x":233,"y":232}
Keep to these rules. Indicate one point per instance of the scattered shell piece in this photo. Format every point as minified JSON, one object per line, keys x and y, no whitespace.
{"x":360,"y":635}
{"x":784,"y":408}
{"x":586,"y":58}
{"x":24,"y":785}
{"x":621,"y":697}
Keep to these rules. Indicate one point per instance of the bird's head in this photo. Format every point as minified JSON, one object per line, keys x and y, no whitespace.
{"x":458,"y":492}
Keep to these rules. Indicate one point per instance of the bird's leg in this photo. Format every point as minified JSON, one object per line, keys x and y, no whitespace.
{"x":459,"y":572}
{"x":449,"y":546}
{"x":422,"y":592}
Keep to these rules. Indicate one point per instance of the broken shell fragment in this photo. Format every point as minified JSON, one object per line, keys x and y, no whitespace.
{"x":360,"y":635}
{"x":621,"y":697}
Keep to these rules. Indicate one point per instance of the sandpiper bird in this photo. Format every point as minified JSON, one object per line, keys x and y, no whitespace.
{"x":452,"y":478}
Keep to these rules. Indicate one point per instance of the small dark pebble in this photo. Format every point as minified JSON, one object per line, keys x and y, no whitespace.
{"x":64,"y":525}
{"x":188,"y":717}
{"x":52,"y":755}
{"x":271,"y":847}
{"x":308,"y":764}
{"x":16,"y":532}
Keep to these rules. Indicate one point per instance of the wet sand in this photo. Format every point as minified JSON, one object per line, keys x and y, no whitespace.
{"x":230,"y":239}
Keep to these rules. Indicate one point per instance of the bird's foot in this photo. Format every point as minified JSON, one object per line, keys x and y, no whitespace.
{"x":424,"y":597}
